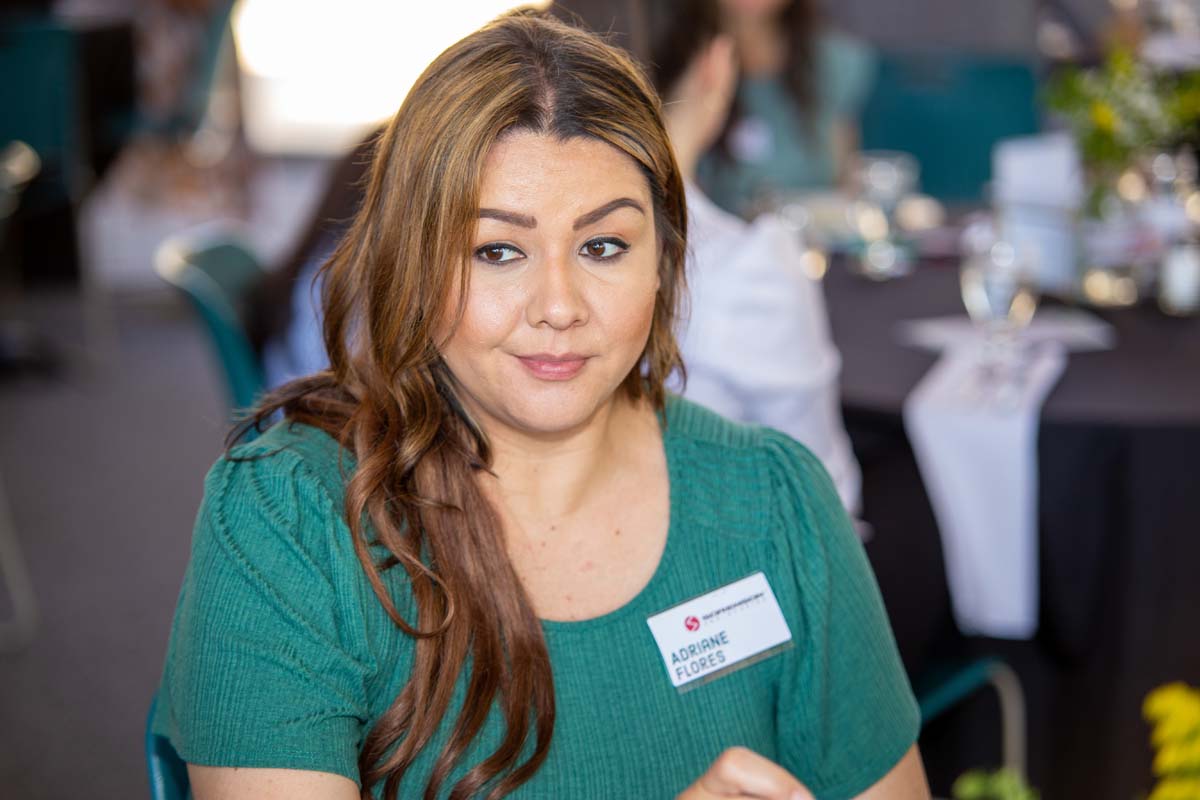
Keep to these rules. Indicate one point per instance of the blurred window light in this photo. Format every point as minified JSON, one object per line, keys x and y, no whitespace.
{"x":316,"y":76}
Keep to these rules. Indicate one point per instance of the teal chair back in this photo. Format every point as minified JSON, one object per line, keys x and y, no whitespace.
{"x":949,"y":110}
{"x":218,"y":41}
{"x":951,"y":683}
{"x":216,"y":274}
{"x":215,"y":51}
{"x":165,"y":769}
{"x":39,"y":95}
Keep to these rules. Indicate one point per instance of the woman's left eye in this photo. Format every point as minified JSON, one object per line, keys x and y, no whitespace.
{"x":604,"y":249}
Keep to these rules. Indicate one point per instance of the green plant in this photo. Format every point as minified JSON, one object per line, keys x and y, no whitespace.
{"x":1114,"y":110}
{"x":1122,"y":109}
{"x":1003,"y":784}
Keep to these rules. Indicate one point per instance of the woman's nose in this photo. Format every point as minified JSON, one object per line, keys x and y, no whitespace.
{"x":556,"y":300}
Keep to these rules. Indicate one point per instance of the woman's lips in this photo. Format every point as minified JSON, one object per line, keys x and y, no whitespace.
{"x":548,"y":367}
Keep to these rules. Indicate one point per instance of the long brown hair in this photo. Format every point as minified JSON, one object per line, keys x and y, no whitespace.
{"x":389,"y":398}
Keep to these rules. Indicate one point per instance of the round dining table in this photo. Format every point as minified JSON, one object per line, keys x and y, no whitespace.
{"x":1118,"y":459}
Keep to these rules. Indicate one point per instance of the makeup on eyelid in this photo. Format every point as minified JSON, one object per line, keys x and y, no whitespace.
{"x":616,"y":242}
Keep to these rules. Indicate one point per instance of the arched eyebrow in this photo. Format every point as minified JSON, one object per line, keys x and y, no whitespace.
{"x":590,"y":218}
{"x":603,"y":211}
{"x":511,"y":217}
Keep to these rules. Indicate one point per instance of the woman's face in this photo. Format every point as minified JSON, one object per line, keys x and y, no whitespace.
{"x":563,"y":279}
{"x":754,"y":9}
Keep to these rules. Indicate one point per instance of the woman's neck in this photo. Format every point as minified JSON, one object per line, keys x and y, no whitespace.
{"x":539,"y":479}
{"x":761,"y":43}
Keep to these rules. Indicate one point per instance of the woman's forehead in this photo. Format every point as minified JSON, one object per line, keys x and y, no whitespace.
{"x":525,"y":168}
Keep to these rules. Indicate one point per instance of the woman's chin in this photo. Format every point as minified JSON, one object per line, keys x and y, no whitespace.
{"x":551,"y":419}
{"x":548,"y":413}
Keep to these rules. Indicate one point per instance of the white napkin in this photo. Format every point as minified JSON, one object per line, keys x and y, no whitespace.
{"x":977,"y":451}
{"x":1074,"y":329}
{"x":1044,"y":169}
{"x":1037,"y":185}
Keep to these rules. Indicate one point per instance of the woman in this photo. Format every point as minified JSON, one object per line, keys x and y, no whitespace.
{"x":794,"y":125}
{"x":458,"y":568}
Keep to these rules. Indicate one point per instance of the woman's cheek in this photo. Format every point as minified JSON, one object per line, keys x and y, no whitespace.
{"x":635,"y":311}
{"x":491,"y":310}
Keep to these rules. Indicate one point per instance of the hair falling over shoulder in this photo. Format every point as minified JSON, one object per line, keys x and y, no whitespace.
{"x":389,"y":399}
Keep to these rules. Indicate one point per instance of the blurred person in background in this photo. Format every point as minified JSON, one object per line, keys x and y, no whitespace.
{"x":438,"y":572}
{"x":284,"y":314}
{"x":794,"y":122}
{"x":186,"y":153}
{"x":756,"y":340}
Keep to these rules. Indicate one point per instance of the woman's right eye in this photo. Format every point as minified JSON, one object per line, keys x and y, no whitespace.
{"x":498,"y":253}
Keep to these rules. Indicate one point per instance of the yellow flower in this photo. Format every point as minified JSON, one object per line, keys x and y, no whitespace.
{"x":1176,"y":757}
{"x":1170,"y":699}
{"x":1174,"y":711}
{"x":1103,"y":116}
{"x":1177,"y":789}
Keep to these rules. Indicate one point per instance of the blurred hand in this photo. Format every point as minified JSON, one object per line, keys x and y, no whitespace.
{"x":698,"y":104}
{"x":745,"y":775}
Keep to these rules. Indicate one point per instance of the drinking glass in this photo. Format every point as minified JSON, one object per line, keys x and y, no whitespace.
{"x":882,"y":179}
{"x":885,"y":177}
{"x":998,"y":290}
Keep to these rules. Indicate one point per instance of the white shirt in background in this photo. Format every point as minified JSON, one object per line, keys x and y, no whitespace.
{"x":756,"y":340}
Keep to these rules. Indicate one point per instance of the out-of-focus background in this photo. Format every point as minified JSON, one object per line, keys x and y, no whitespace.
{"x":1029,"y":484}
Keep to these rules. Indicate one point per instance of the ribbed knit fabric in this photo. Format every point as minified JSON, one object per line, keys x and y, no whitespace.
{"x":281,"y":656}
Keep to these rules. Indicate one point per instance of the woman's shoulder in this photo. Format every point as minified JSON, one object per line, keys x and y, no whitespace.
{"x":291,"y":440}
{"x":840,"y":48}
{"x":283,"y":488}
{"x":294,"y":448}
{"x":746,"y":464}
{"x":275,"y":636}
{"x":700,"y":426}
{"x":845,"y":68}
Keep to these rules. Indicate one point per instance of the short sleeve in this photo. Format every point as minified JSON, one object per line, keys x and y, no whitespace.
{"x":263,"y":669}
{"x":847,"y":714}
{"x":847,"y":69}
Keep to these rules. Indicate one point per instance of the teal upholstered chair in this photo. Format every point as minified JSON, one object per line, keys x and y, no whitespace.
{"x":216,"y":273}
{"x":949,"y":110}
{"x":946,"y":686}
{"x":42,"y":105}
{"x":190,"y":113}
{"x":165,"y":769}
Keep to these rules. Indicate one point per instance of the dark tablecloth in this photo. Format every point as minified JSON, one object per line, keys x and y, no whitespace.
{"x":1119,"y":520}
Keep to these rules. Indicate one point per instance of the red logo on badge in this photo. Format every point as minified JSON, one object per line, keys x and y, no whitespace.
{"x":692,"y":624}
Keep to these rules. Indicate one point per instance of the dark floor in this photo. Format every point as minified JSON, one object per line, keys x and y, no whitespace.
{"x":102,"y":466}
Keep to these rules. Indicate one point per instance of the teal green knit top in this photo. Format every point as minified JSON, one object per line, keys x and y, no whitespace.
{"x":776,"y":149}
{"x":282,"y":656}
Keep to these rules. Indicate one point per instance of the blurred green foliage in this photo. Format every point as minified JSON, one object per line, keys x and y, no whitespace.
{"x":1003,"y":784}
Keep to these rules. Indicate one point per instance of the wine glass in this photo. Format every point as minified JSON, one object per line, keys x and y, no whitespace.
{"x":999,"y":293}
{"x":885,"y":177}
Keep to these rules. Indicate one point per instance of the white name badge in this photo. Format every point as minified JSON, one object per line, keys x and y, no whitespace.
{"x":711,"y":635}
